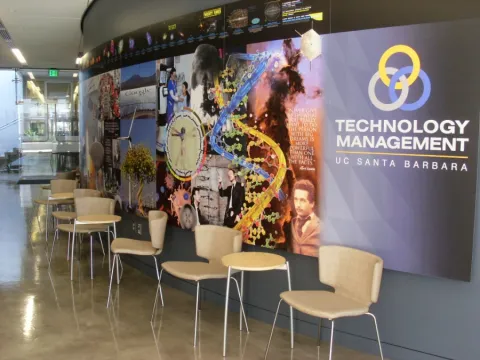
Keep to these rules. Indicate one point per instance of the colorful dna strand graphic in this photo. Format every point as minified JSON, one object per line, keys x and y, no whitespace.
{"x":260,"y":64}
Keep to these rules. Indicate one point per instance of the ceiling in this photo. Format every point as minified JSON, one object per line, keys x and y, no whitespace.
{"x":46,"y":31}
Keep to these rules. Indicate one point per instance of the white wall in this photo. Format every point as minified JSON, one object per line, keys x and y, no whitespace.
{"x":8,"y":111}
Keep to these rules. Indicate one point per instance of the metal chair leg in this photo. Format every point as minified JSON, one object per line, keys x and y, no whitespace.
{"x":378,"y":334}
{"x":319,"y":332}
{"x":273,"y":328}
{"x":73,"y":252}
{"x":158,"y":292}
{"x":68,"y":248}
{"x":118,"y":271}
{"x":91,"y":256}
{"x":242,"y":310}
{"x":55,"y":237}
{"x":111,"y":281}
{"x":101,"y":243}
{"x":196,"y":315}
{"x":159,"y":278}
{"x":331,"y":340}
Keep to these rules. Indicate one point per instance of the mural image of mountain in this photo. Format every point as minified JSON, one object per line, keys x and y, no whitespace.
{"x":137,"y":81}
{"x":138,"y":76}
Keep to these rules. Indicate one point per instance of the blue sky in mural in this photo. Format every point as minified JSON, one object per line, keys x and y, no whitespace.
{"x":143,"y":70}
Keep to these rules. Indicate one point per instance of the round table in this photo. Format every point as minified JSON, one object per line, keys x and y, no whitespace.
{"x":61,"y":196}
{"x":100,"y":219}
{"x":253,"y":261}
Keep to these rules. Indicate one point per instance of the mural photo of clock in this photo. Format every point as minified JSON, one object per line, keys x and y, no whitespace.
{"x":186,"y":146}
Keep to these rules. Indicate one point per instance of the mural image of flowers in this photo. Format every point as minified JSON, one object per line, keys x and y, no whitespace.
{"x":139,"y":166}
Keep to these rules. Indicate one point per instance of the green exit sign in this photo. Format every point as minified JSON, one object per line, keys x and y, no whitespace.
{"x":53,"y":73}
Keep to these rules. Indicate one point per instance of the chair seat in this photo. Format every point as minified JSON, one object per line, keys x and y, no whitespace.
{"x":134,"y":247}
{"x":195,"y":271}
{"x":53,"y":202}
{"x":324,"y":304}
{"x":82,"y":229}
{"x":64,"y":215}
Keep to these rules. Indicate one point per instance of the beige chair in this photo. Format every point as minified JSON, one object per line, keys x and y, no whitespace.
{"x":87,"y":206}
{"x":56,"y":187}
{"x":212,"y":243}
{"x":355,"y":276}
{"x":77,"y":193}
{"x":70,"y":175}
{"x":157,"y":222}
{"x":71,"y":215}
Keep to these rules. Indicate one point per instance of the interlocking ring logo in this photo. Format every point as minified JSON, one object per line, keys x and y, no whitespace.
{"x":399,"y":81}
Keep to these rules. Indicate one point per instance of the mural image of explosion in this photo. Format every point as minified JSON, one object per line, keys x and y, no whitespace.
{"x":249,"y":110}
{"x":261,"y":136}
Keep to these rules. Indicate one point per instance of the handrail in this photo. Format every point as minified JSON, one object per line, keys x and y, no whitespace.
{"x":8,"y":124}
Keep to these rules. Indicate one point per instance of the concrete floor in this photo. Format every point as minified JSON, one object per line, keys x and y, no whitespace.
{"x":43,"y":315}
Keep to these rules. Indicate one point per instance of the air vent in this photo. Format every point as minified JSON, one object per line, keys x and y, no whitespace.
{"x":4,"y":33}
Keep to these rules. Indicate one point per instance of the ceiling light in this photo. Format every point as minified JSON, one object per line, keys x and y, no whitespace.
{"x":75,"y":74}
{"x":18,"y":54}
{"x":30,"y":74}
{"x":67,"y":96}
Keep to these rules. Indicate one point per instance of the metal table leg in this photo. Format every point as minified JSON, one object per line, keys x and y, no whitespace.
{"x":227,"y":295}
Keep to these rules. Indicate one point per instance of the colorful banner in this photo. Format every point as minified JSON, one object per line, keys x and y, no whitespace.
{"x":364,"y":139}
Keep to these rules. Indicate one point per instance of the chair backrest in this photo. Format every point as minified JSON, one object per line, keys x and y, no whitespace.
{"x":94,"y":206}
{"x":62,"y":186}
{"x":353,"y":273}
{"x":157,"y":223}
{"x":214,"y":242}
{"x":81,"y":193}
{"x":71,"y":175}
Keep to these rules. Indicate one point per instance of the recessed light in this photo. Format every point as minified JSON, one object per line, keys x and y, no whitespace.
{"x":18,"y":54}
{"x":75,"y":74}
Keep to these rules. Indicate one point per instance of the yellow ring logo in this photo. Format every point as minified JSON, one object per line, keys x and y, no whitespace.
{"x":407,"y":50}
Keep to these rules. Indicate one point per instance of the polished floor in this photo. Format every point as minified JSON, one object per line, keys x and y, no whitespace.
{"x":44,"y":315}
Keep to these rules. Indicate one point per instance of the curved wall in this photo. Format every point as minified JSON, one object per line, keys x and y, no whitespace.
{"x":420,"y":318}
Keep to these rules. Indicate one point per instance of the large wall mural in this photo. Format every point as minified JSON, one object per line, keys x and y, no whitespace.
{"x":296,"y":138}
{"x":242,"y":140}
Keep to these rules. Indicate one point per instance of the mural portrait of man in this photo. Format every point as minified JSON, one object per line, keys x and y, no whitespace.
{"x":306,"y":225}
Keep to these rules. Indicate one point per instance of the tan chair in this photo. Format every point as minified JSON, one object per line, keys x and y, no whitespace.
{"x":355,"y":276}
{"x":72,"y":215}
{"x":56,"y":187}
{"x":70,"y":175}
{"x":88,"y":206}
{"x":157,"y":223}
{"x":212,"y":243}
{"x":77,"y":193}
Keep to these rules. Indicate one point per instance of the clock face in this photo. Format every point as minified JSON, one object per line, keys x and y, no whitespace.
{"x":186,"y":145}
{"x":188,"y":219}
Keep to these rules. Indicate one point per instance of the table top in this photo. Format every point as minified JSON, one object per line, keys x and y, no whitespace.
{"x":61,"y":196}
{"x":254,"y":261}
{"x":98,"y":219}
